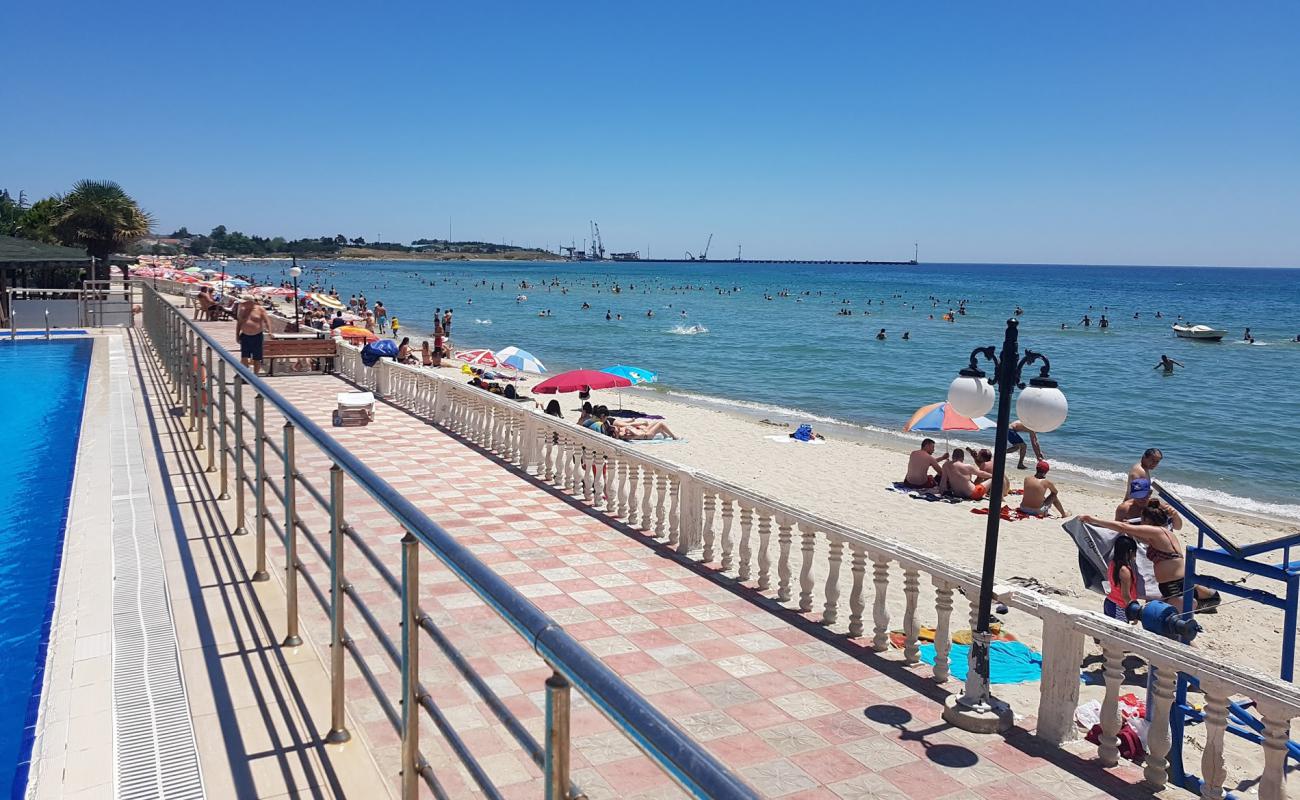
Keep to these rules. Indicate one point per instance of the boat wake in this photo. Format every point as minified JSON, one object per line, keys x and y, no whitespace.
{"x":482,"y":322}
{"x":687,"y":330}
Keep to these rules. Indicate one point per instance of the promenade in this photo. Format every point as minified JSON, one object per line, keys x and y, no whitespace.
{"x":795,"y":712}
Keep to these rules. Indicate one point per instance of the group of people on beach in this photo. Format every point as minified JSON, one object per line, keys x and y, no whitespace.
{"x":601,"y":420}
{"x":954,"y":476}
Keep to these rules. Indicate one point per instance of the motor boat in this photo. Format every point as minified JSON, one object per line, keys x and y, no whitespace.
{"x":1202,"y":332}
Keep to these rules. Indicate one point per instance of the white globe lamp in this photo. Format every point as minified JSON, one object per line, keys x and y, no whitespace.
{"x":1042,"y":406}
{"x":970,"y":394}
{"x":295,"y":270}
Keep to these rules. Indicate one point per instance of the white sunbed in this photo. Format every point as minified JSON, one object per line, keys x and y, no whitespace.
{"x":354,"y":409}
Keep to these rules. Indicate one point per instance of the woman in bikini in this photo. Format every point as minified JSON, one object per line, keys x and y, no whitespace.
{"x":1166,"y":551}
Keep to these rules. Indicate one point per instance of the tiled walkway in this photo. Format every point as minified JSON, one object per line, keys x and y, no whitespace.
{"x":795,"y":713}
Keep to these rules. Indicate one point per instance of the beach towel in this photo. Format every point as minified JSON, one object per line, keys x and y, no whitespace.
{"x":1009,"y":662}
{"x":800,"y":441}
{"x":1095,"y":545}
{"x":660,"y":439}
{"x":928,"y":495}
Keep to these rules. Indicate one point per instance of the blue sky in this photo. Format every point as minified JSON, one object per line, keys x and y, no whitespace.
{"x":1108,"y":132}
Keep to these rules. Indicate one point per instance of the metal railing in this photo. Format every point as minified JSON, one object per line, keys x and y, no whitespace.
{"x":198,"y":369}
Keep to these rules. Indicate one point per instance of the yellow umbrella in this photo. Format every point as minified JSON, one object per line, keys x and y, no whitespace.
{"x":329,"y":301}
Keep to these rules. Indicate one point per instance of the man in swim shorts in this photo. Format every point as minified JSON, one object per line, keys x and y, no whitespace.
{"x":250,"y":326}
{"x":1040,"y":493}
{"x":962,"y":479}
{"x":919,"y":464}
{"x":1016,"y":442}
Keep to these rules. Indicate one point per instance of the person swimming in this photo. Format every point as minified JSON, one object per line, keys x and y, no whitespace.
{"x":881,"y":336}
{"x":1167,"y":364}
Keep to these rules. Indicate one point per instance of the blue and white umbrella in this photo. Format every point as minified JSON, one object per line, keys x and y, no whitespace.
{"x":521,"y":360}
{"x":634,"y":374}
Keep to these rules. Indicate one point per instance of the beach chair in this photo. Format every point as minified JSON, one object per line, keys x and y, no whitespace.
{"x":355,"y":409}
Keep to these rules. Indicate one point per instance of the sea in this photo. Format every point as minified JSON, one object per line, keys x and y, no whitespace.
{"x":770,"y":339}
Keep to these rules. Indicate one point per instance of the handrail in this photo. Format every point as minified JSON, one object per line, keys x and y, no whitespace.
{"x":680,"y":757}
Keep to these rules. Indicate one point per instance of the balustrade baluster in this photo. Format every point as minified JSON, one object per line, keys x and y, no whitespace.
{"x":856,"y":601}
{"x":879,"y":611}
{"x":942,"y":628}
{"x":831,"y":610}
{"x":783,"y":538}
{"x":661,"y":488}
{"x":675,"y":536}
{"x":805,"y":568}
{"x":911,"y":627}
{"x":727,"y":514}
{"x":1156,"y":771}
{"x":589,"y":466}
{"x":764,"y":551}
{"x":746,"y":525}
{"x":647,"y":486}
{"x":709,"y":501}
{"x":1213,"y":771}
{"x":1277,"y":729}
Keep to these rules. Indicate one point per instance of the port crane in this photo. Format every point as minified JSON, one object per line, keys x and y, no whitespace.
{"x":597,"y":246}
{"x":704,"y":256}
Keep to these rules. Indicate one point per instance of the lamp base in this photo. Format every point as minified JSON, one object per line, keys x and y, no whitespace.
{"x":993,"y":717}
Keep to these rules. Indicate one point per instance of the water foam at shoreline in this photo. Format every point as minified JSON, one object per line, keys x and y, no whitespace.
{"x":1214,"y":497}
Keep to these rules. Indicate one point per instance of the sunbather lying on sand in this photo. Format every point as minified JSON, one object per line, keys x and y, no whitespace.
{"x":637,"y":430}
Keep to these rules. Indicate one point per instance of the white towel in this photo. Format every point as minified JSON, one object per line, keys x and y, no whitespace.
{"x":788,"y":439}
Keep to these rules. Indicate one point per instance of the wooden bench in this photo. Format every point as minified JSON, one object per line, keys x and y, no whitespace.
{"x":303,"y":350}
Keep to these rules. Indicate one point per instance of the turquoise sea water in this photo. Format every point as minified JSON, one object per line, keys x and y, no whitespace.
{"x":44,"y":383}
{"x":1227,"y":422}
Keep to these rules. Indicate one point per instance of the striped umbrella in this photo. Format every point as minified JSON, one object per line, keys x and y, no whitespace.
{"x":521,"y":360}
{"x":479,"y":358}
{"x":940,"y":417}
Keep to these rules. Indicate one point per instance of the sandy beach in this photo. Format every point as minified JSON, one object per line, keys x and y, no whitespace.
{"x":846,"y":479}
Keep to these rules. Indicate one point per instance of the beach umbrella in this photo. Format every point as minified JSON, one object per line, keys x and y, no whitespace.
{"x":237,"y":282}
{"x":479,"y":358}
{"x":939,"y":417}
{"x":326,"y":300}
{"x":521,"y":360}
{"x":351,"y":332}
{"x":192,"y":270}
{"x":634,"y":374}
{"x":578,"y":379}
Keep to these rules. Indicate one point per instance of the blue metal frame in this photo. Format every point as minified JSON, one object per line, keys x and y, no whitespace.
{"x":1241,"y":722}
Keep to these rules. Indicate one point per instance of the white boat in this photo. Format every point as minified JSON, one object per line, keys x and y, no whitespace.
{"x":1204,"y":332}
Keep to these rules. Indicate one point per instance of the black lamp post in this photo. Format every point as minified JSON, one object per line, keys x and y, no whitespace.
{"x":1042,"y":407}
{"x":295,"y":271}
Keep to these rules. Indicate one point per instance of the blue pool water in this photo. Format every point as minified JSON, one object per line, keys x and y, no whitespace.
{"x":44,"y":386}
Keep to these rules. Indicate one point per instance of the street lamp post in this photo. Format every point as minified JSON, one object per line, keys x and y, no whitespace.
{"x":1042,"y":408}
{"x":295,"y":271}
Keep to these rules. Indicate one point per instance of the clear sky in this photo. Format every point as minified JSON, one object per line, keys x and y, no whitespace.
{"x":1106,"y":132}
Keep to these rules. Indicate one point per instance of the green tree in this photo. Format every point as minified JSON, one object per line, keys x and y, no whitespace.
{"x":181,"y":233}
{"x":10,"y":213}
{"x":102,"y":218}
{"x":39,"y":221}
{"x":218,"y":233}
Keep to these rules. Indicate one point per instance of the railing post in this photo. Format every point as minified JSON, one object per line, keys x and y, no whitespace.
{"x":1058,"y":694}
{"x":192,"y":364}
{"x":291,"y":638}
{"x":225,"y":441}
{"x":338,"y":730}
{"x":259,"y":484}
{"x":557,"y":737}
{"x":241,"y":528}
{"x":410,"y":666}
{"x":209,"y":407}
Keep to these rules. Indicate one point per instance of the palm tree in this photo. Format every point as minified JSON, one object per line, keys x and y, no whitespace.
{"x":101,"y":217}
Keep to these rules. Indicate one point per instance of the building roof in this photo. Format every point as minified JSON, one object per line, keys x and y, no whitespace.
{"x":26,"y":253}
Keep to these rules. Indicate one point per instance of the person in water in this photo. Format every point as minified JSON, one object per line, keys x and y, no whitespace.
{"x":907,"y":335}
{"x":1167,"y":364}
{"x":881,"y":336}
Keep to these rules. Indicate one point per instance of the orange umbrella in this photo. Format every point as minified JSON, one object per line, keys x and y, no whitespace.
{"x":351,"y":332}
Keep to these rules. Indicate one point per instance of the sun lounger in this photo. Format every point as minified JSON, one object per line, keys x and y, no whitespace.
{"x":354,"y":409}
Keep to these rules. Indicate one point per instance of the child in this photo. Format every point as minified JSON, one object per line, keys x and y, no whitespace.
{"x":397,"y":326}
{"x":1122,"y":576}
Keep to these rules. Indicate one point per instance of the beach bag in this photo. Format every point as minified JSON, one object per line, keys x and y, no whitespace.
{"x":384,"y":348}
{"x":803,"y":433}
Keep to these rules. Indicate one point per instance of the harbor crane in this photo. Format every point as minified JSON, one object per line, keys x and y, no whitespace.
{"x":597,"y":246}
{"x":704,"y":256}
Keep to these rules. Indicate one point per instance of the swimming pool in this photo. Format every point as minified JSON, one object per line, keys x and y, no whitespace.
{"x":43,"y":386}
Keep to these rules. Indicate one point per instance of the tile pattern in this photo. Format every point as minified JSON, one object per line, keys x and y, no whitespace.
{"x":793,"y":714}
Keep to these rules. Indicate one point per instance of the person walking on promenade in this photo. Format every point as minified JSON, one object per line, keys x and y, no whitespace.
{"x":250,"y":327}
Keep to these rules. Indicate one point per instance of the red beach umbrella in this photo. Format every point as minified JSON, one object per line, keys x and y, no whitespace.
{"x":478,"y":358}
{"x":578,"y":379}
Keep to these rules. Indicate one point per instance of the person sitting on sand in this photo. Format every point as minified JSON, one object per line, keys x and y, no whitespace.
{"x":1122,"y":575}
{"x":404,"y":354}
{"x":919,"y":464}
{"x":1040,"y":494}
{"x":961,"y":479}
{"x":553,"y":409}
{"x":1167,"y":552}
{"x":1140,"y":497}
{"x":1167,"y":364}
{"x":1017,"y":442}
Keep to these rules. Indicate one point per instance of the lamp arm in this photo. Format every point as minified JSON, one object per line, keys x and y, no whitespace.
{"x":1029,"y":358}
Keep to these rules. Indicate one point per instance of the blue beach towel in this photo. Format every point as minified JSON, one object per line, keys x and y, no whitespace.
{"x":803,"y":433}
{"x":1009,"y":662}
